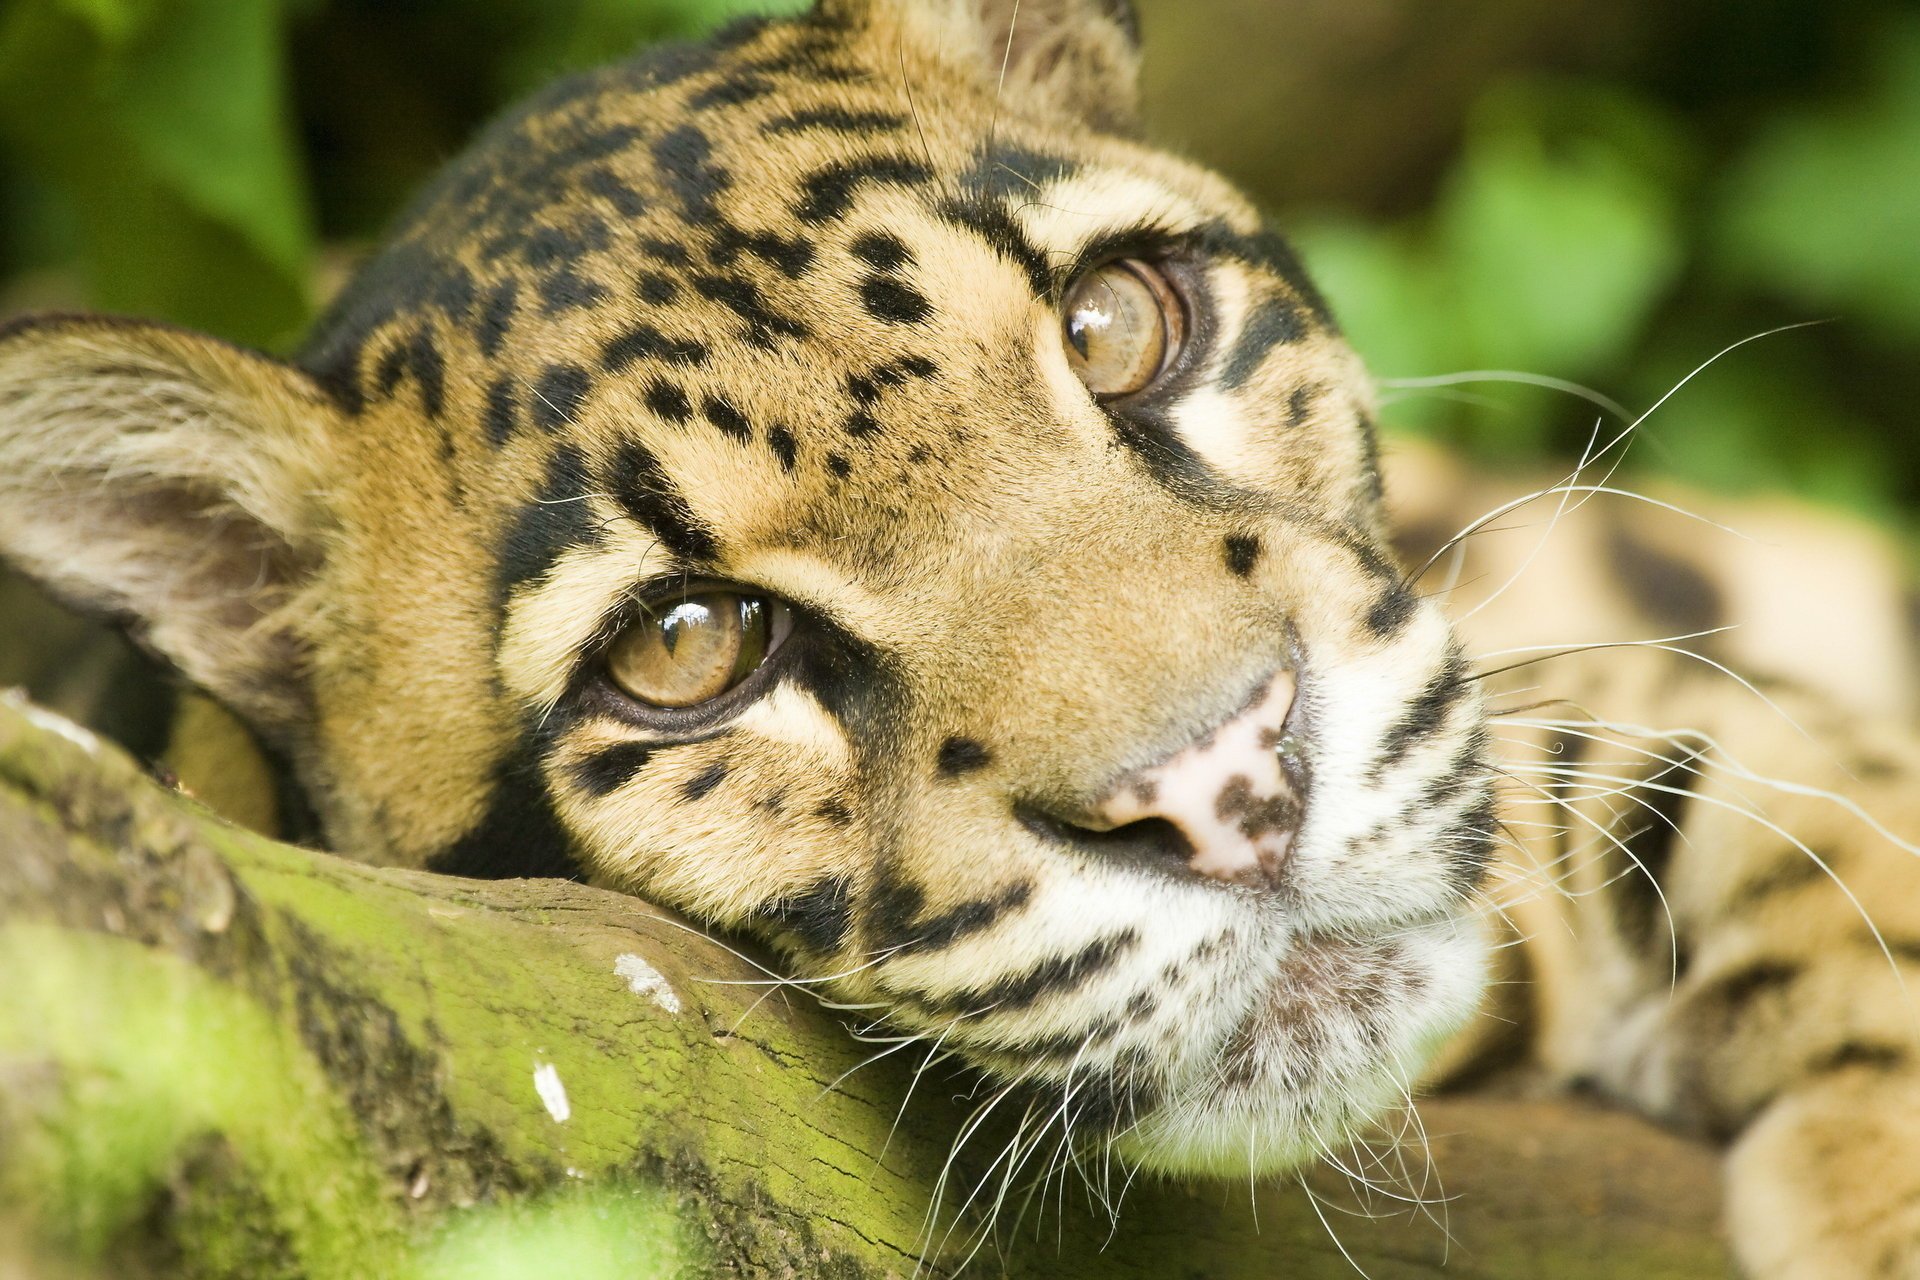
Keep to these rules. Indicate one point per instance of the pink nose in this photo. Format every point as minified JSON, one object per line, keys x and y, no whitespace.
{"x":1227,"y":793}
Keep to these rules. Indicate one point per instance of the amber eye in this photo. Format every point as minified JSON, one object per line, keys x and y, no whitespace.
{"x":687,"y":649}
{"x":1124,"y":326}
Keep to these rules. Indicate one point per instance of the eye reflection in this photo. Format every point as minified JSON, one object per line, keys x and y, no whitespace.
{"x":690,"y":649}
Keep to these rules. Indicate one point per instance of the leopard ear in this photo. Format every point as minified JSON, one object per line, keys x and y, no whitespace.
{"x":1073,"y":59}
{"x":170,"y":483}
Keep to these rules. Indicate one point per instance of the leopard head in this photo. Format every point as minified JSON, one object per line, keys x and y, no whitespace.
{"x":836,"y":480}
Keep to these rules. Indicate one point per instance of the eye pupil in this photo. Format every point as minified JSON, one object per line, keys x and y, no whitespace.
{"x":694,"y":649}
{"x":1124,"y":325}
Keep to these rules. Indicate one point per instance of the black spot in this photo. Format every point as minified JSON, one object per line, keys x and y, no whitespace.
{"x":1750,"y":982}
{"x":838,"y":464}
{"x":685,"y":159}
{"x":1668,"y":590}
{"x":730,"y":92}
{"x":1391,"y":611}
{"x":610,"y":187}
{"x":1850,"y":1054}
{"x":656,"y":288}
{"x":882,"y":250}
{"x":828,"y":193}
{"x":503,"y":412}
{"x":836,"y":120}
{"x":644,"y":342}
{"x":819,"y":917}
{"x":743,"y":298}
{"x":416,"y":356}
{"x":558,"y":517}
{"x":701,"y":784}
{"x":833,"y":809}
{"x":780,"y":440}
{"x":1242,"y":553}
{"x":727,"y":418}
{"x":496,"y":317}
{"x":674,"y":255}
{"x":1275,"y":321}
{"x":1300,"y":403}
{"x":860,"y":424}
{"x":893,"y":301}
{"x":609,"y":768}
{"x":518,"y":835}
{"x":918,"y":366}
{"x":962,"y":755}
{"x":566,"y":289}
{"x":990,"y":220}
{"x":557,"y":395}
{"x":641,"y":485}
{"x":668,"y":401}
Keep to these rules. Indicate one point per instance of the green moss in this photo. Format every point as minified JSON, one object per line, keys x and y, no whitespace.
{"x":138,"y":1066}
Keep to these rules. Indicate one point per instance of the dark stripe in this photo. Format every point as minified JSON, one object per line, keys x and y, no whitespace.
{"x":702,"y":784}
{"x":502,"y":413}
{"x":642,"y":486}
{"x":1024,"y":990}
{"x":792,"y":254}
{"x":1425,"y":714}
{"x":1276,"y":320}
{"x":895,"y":906}
{"x":989,"y":220}
{"x":1468,"y":843}
{"x":684,"y":157}
{"x":519,"y":835}
{"x":644,"y":342}
{"x":1639,"y":910}
{"x":827,"y":193}
{"x":1795,"y":870}
{"x":496,"y":317}
{"x":836,"y":120}
{"x":819,"y":917}
{"x":1391,"y":611}
{"x":610,"y":768}
{"x":555,"y":519}
{"x":1668,"y":590}
{"x":1745,"y":985}
{"x":730,"y":93}
{"x":1852,"y":1054}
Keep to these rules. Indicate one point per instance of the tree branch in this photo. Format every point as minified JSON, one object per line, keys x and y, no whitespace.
{"x":223,"y":1055}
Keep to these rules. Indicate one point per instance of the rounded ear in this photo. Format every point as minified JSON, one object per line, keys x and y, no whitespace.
{"x":170,"y":483}
{"x":1073,"y":59}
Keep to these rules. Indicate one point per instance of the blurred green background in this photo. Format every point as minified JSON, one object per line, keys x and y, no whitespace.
{"x":1605,"y":191}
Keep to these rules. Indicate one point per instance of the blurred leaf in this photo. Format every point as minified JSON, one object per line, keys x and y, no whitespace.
{"x":599,"y":1234}
{"x":1826,"y":205}
{"x":1550,"y":245}
{"x":164,"y":124}
{"x":584,"y":33}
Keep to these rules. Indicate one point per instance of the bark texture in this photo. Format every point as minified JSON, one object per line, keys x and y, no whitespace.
{"x":223,"y":1056}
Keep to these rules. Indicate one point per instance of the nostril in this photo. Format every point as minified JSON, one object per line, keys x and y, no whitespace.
{"x":1152,"y":842}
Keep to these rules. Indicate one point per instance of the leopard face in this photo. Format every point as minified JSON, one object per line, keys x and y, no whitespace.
{"x":1068,"y":703}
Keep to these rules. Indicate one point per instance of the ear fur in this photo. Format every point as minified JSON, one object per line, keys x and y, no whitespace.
{"x":168,"y":482}
{"x":1072,"y":59}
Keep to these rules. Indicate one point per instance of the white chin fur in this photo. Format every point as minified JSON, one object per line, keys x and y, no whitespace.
{"x":1290,"y":1103}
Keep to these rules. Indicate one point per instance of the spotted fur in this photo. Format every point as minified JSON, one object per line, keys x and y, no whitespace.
{"x":782,"y":308}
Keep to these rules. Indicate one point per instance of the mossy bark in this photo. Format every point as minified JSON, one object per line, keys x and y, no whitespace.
{"x":222,"y":1056}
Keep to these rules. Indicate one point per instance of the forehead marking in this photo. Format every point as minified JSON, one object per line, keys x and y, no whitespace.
{"x":642,"y":486}
{"x":556,"y":518}
{"x":502,"y":416}
{"x":827,"y":193}
{"x":728,"y":419}
{"x":666,"y":400}
{"x":684,"y":157}
{"x":859,"y":124}
{"x":743,"y":298}
{"x":780,"y":440}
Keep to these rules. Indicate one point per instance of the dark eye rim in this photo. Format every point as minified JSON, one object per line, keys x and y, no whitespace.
{"x":599,"y":693}
{"x":1177,"y":266}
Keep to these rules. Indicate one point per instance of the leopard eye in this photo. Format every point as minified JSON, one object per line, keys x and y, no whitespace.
{"x":1124,"y":325}
{"x":690,"y":648}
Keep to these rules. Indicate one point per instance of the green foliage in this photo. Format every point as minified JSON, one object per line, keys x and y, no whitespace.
{"x":163,"y":126}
